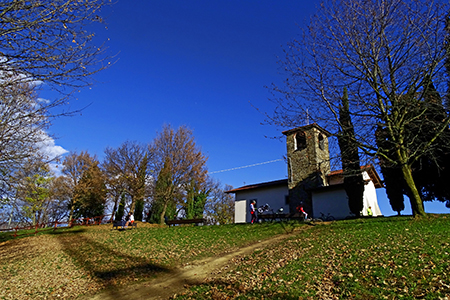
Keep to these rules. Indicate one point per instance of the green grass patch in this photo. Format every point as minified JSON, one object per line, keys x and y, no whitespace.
{"x":379,"y":258}
{"x":65,"y":263}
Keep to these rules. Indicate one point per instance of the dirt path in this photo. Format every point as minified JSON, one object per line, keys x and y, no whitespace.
{"x":172,"y":283}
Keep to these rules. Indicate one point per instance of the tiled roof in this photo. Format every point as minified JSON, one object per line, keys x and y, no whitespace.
{"x":259,"y":185}
{"x":370,"y":169}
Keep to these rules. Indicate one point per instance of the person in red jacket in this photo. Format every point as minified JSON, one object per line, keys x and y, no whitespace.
{"x":253,"y":211}
{"x":302,"y":211}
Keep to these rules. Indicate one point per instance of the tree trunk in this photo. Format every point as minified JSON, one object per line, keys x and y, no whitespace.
{"x":39,"y":217}
{"x":414,"y":197}
{"x":161,"y":221}
{"x":116,"y":204}
{"x":133,"y":203}
{"x":10,"y":216}
{"x":72,"y":207}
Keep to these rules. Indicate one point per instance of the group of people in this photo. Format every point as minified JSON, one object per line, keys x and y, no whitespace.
{"x":300,"y":210}
{"x":254,"y":214}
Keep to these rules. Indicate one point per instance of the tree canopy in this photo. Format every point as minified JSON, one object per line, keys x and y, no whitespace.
{"x":48,"y":41}
{"x":383,"y":51}
{"x":43,"y":44}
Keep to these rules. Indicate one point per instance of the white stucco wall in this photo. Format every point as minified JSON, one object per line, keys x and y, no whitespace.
{"x":274,"y":196}
{"x":334,"y":200}
{"x":328,"y":200}
{"x":331,"y":201}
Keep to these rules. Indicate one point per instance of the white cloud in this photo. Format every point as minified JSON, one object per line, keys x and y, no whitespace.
{"x":42,"y":100}
{"x":56,"y":169}
{"x":52,"y":151}
{"x":49,"y":149}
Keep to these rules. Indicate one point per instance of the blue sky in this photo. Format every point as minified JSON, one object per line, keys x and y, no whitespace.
{"x":204,"y":64}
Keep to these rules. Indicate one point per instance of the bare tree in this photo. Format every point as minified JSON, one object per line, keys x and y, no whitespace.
{"x":382,"y":51}
{"x":61,"y":193}
{"x":220,"y":205}
{"x":42,"y":43}
{"x":447,"y":60}
{"x":47,"y":41}
{"x":176,"y":161}
{"x":23,"y":117}
{"x":115,"y":185}
{"x":126,"y":168}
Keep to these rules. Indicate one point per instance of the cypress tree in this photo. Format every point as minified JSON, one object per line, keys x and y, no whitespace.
{"x":447,"y":61}
{"x":154,"y":215}
{"x":162,"y":206}
{"x":121,"y":210}
{"x":392,"y":175}
{"x":140,"y":193}
{"x":353,"y":179}
{"x":195,"y":200}
{"x":138,"y":209}
{"x":199,"y":205}
{"x":429,"y":170}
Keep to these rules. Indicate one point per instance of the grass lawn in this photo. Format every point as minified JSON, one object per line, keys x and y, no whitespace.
{"x":66,"y":263}
{"x":379,"y":258}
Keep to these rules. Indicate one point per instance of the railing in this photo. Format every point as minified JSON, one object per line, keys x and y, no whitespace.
{"x":41,"y":227}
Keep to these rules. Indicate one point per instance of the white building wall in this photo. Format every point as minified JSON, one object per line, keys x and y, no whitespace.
{"x":274,"y":196}
{"x":335,"y":201}
{"x":330,"y":201}
{"x":370,"y":199}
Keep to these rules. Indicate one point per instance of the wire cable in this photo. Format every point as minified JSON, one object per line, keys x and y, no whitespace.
{"x":248,"y":166}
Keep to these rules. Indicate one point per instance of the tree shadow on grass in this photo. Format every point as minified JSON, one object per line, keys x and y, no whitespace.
{"x":109,"y":267}
{"x":74,"y":231}
{"x":9,"y":236}
{"x":6,"y":236}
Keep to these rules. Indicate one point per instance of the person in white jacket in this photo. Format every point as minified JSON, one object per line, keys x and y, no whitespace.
{"x":129,"y":219}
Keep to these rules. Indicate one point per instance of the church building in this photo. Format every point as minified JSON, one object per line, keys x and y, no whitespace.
{"x":310,"y":182}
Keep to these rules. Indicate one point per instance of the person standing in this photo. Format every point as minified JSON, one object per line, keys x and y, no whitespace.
{"x":303,"y":212}
{"x":253,"y":211}
{"x":129,"y":219}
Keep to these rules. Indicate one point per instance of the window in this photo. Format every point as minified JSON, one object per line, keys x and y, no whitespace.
{"x":321,"y":142}
{"x":300,"y":141}
{"x":286,"y":199}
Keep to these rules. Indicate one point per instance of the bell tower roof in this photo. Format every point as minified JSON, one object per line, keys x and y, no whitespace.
{"x":307,"y":127}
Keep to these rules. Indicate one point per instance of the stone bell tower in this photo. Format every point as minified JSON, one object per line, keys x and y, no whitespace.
{"x":308,"y":163}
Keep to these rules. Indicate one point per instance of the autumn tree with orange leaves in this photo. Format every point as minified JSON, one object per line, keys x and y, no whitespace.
{"x":176,"y":161}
